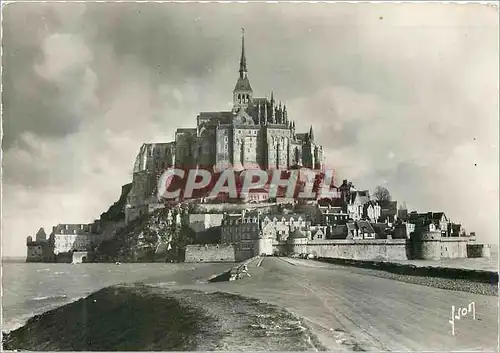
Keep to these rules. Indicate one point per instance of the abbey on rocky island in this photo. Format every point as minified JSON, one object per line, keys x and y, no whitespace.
{"x":256,"y":133}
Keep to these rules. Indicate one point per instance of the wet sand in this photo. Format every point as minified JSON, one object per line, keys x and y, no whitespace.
{"x":285,"y":304}
{"x":154,"y":318}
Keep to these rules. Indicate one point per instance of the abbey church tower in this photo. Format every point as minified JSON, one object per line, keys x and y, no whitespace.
{"x":242,"y":93}
{"x":255,"y":133}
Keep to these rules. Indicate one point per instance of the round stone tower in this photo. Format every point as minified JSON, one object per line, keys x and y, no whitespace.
{"x":426,"y":244}
{"x":264,"y":246}
{"x":297,"y":242}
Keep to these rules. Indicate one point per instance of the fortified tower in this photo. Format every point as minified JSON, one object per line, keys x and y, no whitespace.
{"x":297,"y":242}
{"x":426,"y":244}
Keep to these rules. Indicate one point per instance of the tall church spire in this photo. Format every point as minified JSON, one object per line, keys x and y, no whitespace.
{"x":311,"y":134}
{"x":242,"y":93}
{"x":243,"y":59}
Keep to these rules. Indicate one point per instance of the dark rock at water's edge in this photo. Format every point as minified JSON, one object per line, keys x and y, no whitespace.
{"x":113,"y":319}
{"x":223,"y":277}
{"x":236,"y":272}
{"x":481,"y":276}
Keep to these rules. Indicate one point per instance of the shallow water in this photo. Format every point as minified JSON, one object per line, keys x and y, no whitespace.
{"x":32,"y":288}
{"x":140,"y":317}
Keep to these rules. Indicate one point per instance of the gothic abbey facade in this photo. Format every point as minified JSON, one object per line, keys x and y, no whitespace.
{"x":257,"y":132}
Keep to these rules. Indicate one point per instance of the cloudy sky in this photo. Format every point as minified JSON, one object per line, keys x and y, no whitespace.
{"x":401,"y":95}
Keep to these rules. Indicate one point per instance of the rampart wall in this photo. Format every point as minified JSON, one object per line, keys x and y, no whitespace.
{"x":453,"y":248}
{"x":232,"y":207}
{"x":425,"y":246}
{"x":478,"y":250}
{"x":210,"y":253}
{"x":377,"y":249}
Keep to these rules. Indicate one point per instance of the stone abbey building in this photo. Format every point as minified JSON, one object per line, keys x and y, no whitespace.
{"x":256,"y":133}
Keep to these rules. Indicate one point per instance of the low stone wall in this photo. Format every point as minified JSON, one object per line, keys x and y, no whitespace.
{"x":428,"y":246}
{"x":242,"y":255}
{"x":377,"y":249}
{"x":79,"y":257}
{"x":231,"y":207}
{"x":454,"y":248}
{"x":210,"y":253}
{"x":64,"y":257}
{"x":478,"y":250}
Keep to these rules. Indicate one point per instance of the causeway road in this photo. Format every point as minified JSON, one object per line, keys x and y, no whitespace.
{"x":354,"y":311}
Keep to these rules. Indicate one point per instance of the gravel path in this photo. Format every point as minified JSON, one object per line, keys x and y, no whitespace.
{"x":436,"y":282}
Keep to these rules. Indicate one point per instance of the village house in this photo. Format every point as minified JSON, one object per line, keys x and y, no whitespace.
{"x":455,"y":230}
{"x":371,"y":211}
{"x":430,"y":220}
{"x":332,"y":215}
{"x":388,"y":212}
{"x":360,"y":230}
{"x":280,"y":226}
{"x":242,"y":231}
{"x":356,"y":204}
{"x":317,"y":232}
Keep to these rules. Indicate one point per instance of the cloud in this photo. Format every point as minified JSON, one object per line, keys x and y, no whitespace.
{"x":405,"y":95}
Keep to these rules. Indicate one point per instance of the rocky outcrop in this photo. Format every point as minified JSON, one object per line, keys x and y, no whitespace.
{"x":116,"y":212}
{"x":237,"y":272}
{"x":141,"y":239}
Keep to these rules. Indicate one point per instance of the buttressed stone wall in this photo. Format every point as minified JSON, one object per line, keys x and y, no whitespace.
{"x":378,"y":249}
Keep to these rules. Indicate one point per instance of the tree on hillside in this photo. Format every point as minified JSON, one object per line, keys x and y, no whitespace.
{"x":382,"y":194}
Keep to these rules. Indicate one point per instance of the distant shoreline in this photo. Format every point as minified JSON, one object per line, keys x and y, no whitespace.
{"x":14,"y":259}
